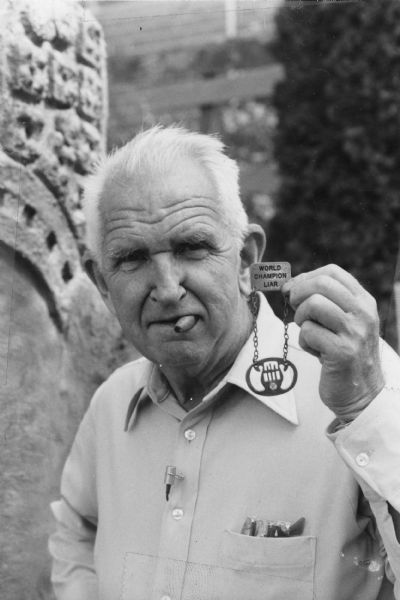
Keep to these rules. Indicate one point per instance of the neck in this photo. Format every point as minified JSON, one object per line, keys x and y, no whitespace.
{"x":190,"y":390}
{"x":190,"y":385}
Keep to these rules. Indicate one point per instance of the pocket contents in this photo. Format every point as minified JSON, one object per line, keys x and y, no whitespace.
{"x":266,"y":528}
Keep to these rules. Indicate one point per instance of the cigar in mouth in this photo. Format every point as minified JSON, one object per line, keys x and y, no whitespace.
{"x":185,"y":323}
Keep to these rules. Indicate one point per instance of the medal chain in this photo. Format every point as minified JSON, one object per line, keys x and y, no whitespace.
{"x":286,"y":334}
{"x":254,"y":307}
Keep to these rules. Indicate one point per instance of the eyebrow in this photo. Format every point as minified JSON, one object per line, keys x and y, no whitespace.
{"x":117,"y":253}
{"x":195,"y":236}
{"x":190,"y":237}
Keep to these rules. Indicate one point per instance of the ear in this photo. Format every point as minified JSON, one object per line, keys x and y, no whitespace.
{"x":252,"y":251}
{"x":94,"y":273}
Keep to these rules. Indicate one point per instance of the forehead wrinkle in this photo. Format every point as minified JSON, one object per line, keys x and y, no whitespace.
{"x":120,"y":240}
{"x":177,"y":202}
{"x":120,"y":217}
{"x":213,"y":207}
{"x":113,"y":228}
{"x":146,"y":217}
{"x":198,"y":227}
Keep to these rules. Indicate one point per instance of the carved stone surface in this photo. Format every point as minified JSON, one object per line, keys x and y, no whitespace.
{"x":63,"y":88}
{"x":90,"y":35}
{"x":79,"y":143}
{"x":90,"y":99}
{"x":28,"y":69}
{"x":52,"y":84}
{"x":57,"y":342}
{"x":22,"y":126}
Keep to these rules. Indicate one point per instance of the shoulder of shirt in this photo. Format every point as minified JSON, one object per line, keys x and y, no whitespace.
{"x":122,"y":384}
{"x":129,"y":368}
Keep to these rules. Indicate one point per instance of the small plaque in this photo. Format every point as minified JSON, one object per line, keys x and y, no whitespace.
{"x":269,"y":276}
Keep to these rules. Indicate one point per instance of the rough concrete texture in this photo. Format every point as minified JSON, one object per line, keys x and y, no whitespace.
{"x":57,"y":342}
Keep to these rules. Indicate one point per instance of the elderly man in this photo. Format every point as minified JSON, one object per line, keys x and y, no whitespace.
{"x":186,"y":481}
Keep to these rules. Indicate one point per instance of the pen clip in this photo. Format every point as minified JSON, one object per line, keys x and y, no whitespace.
{"x":169,"y":478}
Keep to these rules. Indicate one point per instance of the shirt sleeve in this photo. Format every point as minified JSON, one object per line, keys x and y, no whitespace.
{"x":370,"y":446}
{"x":72,"y":544}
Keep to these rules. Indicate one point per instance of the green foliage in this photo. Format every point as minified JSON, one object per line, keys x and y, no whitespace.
{"x":238,"y":53}
{"x":338,"y":139}
{"x":247,"y":129}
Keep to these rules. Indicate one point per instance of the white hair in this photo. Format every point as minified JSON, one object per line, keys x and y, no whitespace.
{"x":152,"y":151}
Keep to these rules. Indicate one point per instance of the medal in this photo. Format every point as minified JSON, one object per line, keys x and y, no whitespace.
{"x":275,"y":375}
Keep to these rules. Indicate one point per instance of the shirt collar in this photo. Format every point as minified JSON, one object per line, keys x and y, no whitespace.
{"x":156,"y":390}
{"x":270,"y":332}
{"x":131,"y":413}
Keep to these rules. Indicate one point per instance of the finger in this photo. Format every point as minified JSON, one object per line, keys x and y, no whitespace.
{"x":322,"y":310}
{"x":329,"y":273}
{"x":337,"y":273}
{"x":310,"y":350}
{"x":305,"y":287}
{"x":321,"y":341}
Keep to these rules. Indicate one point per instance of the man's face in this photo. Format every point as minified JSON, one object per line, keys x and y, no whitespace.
{"x":168,"y":253}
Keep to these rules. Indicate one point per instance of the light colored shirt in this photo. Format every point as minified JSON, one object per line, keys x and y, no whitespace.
{"x":241,"y":454}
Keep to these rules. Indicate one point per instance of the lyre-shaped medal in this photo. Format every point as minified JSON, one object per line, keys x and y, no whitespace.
{"x":270,"y":376}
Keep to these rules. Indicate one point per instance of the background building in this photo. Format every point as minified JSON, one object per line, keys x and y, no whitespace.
{"x":205,"y":64}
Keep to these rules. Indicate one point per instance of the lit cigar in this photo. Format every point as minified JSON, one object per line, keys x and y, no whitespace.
{"x":184,"y":323}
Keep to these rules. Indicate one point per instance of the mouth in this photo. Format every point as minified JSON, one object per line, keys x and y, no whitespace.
{"x":186,"y":323}
{"x":181,"y":324}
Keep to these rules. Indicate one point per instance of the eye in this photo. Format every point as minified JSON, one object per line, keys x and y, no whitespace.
{"x":131,"y":260}
{"x":193,"y":251}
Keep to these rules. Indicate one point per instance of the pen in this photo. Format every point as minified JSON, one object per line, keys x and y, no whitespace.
{"x":169,"y":479}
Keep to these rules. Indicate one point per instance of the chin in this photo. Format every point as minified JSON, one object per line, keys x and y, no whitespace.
{"x":180,"y":357}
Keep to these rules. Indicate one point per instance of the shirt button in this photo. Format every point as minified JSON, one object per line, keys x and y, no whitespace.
{"x":362,"y":459}
{"x":190,"y":434}
{"x":177,"y":513}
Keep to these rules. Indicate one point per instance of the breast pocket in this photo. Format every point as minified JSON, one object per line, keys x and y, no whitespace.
{"x":268,"y":568}
{"x":248,"y":568}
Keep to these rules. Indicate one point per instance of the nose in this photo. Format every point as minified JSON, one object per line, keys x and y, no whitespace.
{"x":167,"y":280}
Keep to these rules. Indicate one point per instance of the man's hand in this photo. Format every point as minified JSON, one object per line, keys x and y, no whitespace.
{"x":340,"y":325}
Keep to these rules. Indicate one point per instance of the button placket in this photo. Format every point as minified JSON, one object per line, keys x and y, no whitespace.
{"x":179,"y":511}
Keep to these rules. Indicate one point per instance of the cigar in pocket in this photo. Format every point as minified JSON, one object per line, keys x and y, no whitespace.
{"x":249,"y":526}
